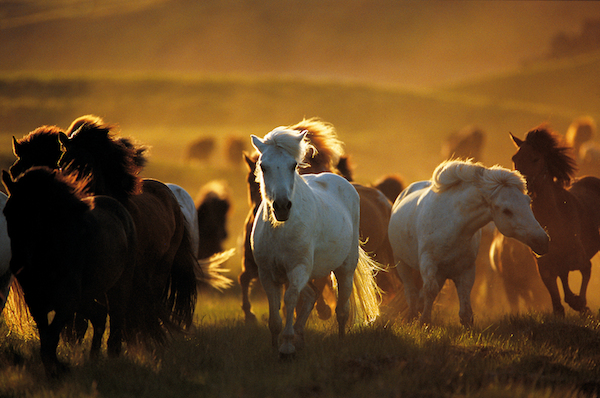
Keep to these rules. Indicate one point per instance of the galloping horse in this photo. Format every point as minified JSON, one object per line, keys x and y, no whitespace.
{"x":165,"y":256}
{"x":515,"y":265}
{"x":568,"y":210}
{"x":306,"y":227}
{"x":435,"y":229}
{"x":71,"y":253}
{"x":212,"y":208}
{"x":375,"y":213}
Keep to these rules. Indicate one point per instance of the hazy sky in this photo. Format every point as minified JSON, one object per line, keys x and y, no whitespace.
{"x":412,"y":43}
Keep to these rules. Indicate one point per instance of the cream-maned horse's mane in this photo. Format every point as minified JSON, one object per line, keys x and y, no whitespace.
{"x":452,"y":172}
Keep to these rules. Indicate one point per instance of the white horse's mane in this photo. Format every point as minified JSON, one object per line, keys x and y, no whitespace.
{"x":288,"y":141}
{"x":452,"y":172}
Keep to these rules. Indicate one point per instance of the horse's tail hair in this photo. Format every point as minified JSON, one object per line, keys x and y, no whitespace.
{"x":366,"y":295}
{"x":182,"y":293}
{"x":210,"y":273}
{"x":16,"y":313}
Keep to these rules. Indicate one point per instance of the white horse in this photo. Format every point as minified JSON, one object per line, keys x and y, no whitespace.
{"x":188,"y":208}
{"x":435,"y":229}
{"x":307,"y":227}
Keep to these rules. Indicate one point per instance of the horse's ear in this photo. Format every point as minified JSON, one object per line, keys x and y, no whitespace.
{"x":7,"y":181}
{"x":249,"y":161}
{"x":517,"y":141}
{"x":302,"y":135}
{"x":257,"y":143}
{"x":64,"y":141}
{"x":15,"y":146}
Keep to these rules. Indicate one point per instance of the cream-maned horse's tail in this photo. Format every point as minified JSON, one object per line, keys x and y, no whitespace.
{"x":366,"y":295}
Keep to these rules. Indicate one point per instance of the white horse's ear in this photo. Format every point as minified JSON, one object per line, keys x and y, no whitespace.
{"x":302,"y":135}
{"x":518,"y":142}
{"x":257,"y":143}
{"x":7,"y":181}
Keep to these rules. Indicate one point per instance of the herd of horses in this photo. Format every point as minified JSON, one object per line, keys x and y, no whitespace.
{"x":85,"y":238}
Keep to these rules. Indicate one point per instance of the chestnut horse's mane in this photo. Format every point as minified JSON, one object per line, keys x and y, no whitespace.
{"x":557,"y":154}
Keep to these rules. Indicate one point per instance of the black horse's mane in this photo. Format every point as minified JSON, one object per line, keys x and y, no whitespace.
{"x":557,"y":155}
{"x":116,"y":160}
{"x":61,"y":193}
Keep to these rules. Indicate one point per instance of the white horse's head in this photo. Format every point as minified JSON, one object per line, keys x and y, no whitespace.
{"x":281,"y":151}
{"x":511,"y":208}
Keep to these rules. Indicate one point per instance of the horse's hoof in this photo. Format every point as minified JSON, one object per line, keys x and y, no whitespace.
{"x":251,"y":319}
{"x":287,"y":351}
{"x":324,"y":312}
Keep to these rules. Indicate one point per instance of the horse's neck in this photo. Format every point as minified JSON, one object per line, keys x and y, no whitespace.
{"x":475,"y":210}
{"x":546,"y":198}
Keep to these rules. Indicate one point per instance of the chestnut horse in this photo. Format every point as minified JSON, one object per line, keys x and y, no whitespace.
{"x":566,"y":208}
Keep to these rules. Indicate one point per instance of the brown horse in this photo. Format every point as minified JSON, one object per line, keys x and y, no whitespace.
{"x":567,"y":209}
{"x":213,"y":203}
{"x":375,"y":212}
{"x":165,"y":257}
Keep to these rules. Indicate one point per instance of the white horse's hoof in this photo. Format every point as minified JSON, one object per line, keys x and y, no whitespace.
{"x":287,"y":351}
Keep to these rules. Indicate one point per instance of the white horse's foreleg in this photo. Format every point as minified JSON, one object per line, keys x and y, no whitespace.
{"x":274,"y":297}
{"x":464,"y":285}
{"x":297,"y":278}
{"x":411,"y":290}
{"x":306,"y":302}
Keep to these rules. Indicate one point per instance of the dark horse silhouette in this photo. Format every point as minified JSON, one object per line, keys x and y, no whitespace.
{"x":567,"y":209}
{"x":71,"y":253}
{"x":165,"y":258}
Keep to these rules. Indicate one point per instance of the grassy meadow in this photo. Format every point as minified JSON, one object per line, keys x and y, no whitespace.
{"x":386,"y":130}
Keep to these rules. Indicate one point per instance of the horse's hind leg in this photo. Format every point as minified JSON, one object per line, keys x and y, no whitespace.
{"x":342,"y":310}
{"x":432,"y":284}
{"x":464,"y":285}
{"x":578,"y":303}
{"x":249,"y":273}
{"x":323,"y":309}
{"x":408,"y":275}
{"x":551,"y":284}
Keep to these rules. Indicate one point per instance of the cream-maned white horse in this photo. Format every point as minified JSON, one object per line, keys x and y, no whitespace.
{"x":435,"y":229}
{"x":307,"y":227}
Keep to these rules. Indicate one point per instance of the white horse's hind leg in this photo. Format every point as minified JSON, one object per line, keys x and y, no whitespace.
{"x":432,"y":284}
{"x":342,"y":310}
{"x":411,"y":290}
{"x":464,"y":285}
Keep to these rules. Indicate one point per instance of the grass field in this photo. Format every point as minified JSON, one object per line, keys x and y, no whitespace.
{"x":386,"y":130}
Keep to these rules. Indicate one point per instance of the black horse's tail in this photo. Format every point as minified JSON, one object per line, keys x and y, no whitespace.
{"x":182,"y":293}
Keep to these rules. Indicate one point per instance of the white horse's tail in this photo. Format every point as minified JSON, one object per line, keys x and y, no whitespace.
{"x":209,"y":272}
{"x":366,"y":295}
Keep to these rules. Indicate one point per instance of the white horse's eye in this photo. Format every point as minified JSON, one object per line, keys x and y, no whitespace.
{"x":507,"y":212}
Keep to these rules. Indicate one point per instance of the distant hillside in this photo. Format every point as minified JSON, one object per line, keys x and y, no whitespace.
{"x":385,"y":130}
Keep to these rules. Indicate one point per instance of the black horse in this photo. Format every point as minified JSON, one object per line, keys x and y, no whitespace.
{"x":70,"y":252}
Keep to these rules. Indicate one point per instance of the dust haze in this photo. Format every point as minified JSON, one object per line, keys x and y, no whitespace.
{"x":406,"y":43}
